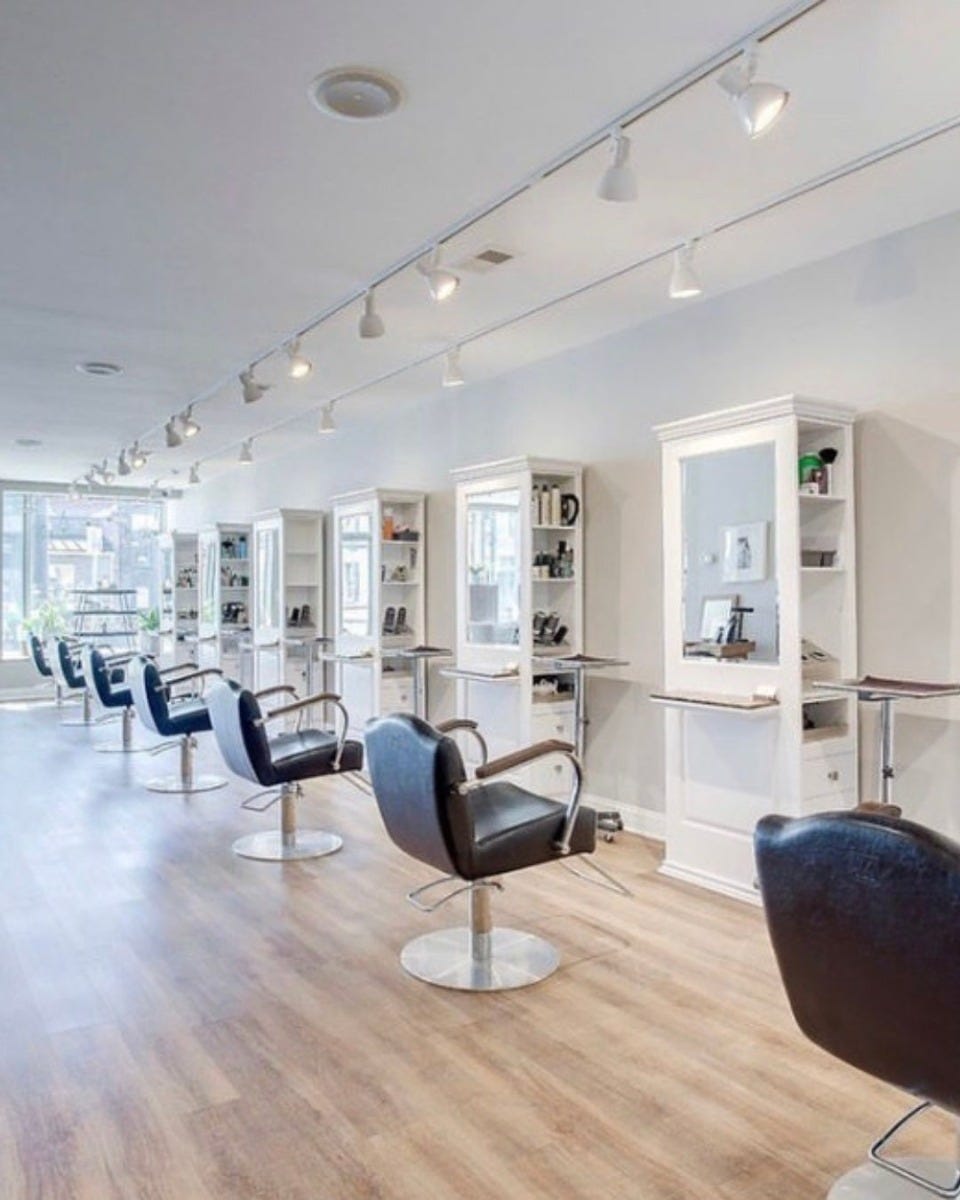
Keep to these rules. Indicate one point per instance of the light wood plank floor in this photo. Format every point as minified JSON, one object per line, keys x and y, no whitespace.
{"x":180,"y":1024}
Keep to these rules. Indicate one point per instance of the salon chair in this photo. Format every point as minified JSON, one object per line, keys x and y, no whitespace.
{"x":180,"y":717}
{"x":63,"y":655}
{"x":864,"y":915}
{"x":279,"y":763}
{"x":44,"y":669}
{"x":472,"y":832}
{"x":106,"y":678}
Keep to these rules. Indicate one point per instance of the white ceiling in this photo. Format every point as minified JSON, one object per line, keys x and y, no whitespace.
{"x":171,"y":201}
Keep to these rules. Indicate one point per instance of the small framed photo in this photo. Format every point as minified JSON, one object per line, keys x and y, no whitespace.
{"x":715,"y":616}
{"x":745,"y":553}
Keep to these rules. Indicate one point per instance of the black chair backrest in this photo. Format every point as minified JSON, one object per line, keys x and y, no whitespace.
{"x":241,"y":736}
{"x":69,"y":674}
{"x":38,"y":656}
{"x":416,"y":774}
{"x":96,"y":674}
{"x":864,"y":916}
{"x":150,"y":697}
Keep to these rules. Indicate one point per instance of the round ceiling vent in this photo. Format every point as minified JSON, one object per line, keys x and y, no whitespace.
{"x":99,"y":368}
{"x":355,"y":93}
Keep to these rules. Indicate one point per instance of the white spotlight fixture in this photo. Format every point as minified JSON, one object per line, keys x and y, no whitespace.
{"x":253,"y":389}
{"x":90,"y":478}
{"x":106,"y":475}
{"x":452,"y":375}
{"x":758,"y":105}
{"x":618,"y":182}
{"x":172,"y":438}
{"x":328,"y":423}
{"x":123,"y":467}
{"x":299,"y":366}
{"x":194,"y":473}
{"x":371,"y":323}
{"x":246,"y":452}
{"x":684,"y":281}
{"x":138,"y":457}
{"x":441,"y":281}
{"x":189,"y":425}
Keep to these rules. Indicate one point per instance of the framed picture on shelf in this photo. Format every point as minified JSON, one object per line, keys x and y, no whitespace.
{"x":715,"y":613}
{"x":745,"y":552}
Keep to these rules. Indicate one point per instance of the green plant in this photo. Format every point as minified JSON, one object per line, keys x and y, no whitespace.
{"x":48,"y":619}
{"x":149,"y":620}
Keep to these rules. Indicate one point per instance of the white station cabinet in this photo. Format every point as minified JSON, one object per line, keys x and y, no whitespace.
{"x":178,"y":595}
{"x":520,"y":606}
{"x":379,"y":549}
{"x":759,"y":604}
{"x":223,"y":624}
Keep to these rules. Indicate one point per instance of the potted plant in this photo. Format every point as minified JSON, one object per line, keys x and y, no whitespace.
{"x":149,"y":631}
{"x":48,"y":620}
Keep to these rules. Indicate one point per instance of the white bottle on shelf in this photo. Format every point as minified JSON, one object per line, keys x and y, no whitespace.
{"x":555,"y":505}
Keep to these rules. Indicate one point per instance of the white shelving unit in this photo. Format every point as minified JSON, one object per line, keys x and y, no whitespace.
{"x":179,"y":595}
{"x":737,"y":470}
{"x":288,"y":595}
{"x":106,"y":616}
{"x":379,"y":549}
{"x":517,"y":573}
{"x":224,"y":582}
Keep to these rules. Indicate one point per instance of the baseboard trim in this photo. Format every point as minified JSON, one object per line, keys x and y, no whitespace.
{"x":712,"y":883}
{"x":643,"y":821}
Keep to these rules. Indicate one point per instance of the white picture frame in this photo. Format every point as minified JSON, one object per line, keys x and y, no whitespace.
{"x":745,"y":552}
{"x":715,"y":613}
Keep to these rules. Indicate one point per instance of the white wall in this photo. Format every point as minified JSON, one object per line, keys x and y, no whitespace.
{"x":875,"y":327}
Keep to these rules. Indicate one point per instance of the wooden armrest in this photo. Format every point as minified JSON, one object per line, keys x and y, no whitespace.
{"x":272,"y":691}
{"x":184,"y":666}
{"x":519,"y":758}
{"x":195,"y":675}
{"x":455,"y":723}
{"x":306,"y":702}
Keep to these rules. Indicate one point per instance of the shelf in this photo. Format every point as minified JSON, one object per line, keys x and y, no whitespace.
{"x":822,"y":697}
{"x":745,"y":706}
{"x":811,"y":498}
{"x":557,"y":528}
{"x":825,"y":733}
{"x":400,"y":583}
{"x":557,"y":579}
{"x":823,"y":570}
{"x":399,"y":541}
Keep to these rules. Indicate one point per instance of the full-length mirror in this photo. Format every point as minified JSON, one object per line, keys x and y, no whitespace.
{"x":208,"y":583}
{"x":356,"y":567}
{"x":729,"y":556}
{"x":493,"y":567}
{"x":267,"y":581}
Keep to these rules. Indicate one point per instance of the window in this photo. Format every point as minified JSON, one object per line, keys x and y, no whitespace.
{"x":53,"y":545}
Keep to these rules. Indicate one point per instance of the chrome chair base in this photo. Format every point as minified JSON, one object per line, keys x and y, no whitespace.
{"x":870,"y":1182}
{"x":515,"y":960}
{"x":274,"y":846}
{"x":126,"y":749}
{"x":173,"y":784}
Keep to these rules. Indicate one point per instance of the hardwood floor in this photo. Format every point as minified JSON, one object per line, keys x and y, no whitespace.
{"x":177,"y":1023}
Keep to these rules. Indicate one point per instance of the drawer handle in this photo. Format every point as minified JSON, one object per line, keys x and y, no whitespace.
{"x":833,"y":776}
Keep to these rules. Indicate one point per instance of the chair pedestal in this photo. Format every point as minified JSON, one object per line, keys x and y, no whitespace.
{"x":287,"y":843}
{"x":480,"y":958}
{"x":126,"y":738}
{"x":88,"y":718}
{"x":870,"y":1182}
{"x":188,"y":783}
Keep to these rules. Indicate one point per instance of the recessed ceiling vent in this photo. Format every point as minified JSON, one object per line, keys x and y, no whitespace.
{"x":486,"y":260}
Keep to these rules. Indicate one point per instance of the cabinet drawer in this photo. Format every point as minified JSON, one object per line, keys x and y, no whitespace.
{"x":829,"y":776}
{"x":553,"y":724}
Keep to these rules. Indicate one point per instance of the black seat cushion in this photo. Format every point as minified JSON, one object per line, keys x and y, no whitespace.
{"x":514,"y":828}
{"x":864,"y":916}
{"x":186,"y":716}
{"x":310,"y":753}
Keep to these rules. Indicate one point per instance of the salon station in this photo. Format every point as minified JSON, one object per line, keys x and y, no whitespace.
{"x":479,"y":643}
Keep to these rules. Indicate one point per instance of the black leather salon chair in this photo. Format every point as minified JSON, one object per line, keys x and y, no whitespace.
{"x":279,"y":763}
{"x":63,"y":656}
{"x":864,"y":915}
{"x":172,"y":715}
{"x":39,"y":657}
{"x":472,"y":832}
{"x":106,"y":678}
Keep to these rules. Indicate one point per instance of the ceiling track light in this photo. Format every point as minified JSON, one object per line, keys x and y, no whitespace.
{"x":189,"y":425}
{"x":246,"y":452}
{"x":171,"y":437}
{"x":328,"y":423}
{"x":299,"y":366}
{"x":684,"y":281}
{"x":253,"y":389}
{"x":371,"y":323}
{"x":194,"y":474}
{"x":123,"y":467}
{"x":441,"y":281}
{"x":452,"y":374}
{"x":758,"y":105}
{"x":618,"y":183}
{"x":138,"y":457}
